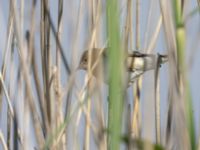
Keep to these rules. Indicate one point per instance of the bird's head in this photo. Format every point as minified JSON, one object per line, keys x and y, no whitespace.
{"x":83,"y":61}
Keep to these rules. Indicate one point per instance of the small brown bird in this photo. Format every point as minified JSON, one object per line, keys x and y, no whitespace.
{"x":137,"y":63}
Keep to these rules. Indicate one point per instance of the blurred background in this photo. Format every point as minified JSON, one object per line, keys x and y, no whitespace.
{"x":46,"y":103}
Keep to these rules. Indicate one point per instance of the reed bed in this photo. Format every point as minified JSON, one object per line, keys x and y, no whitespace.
{"x":47,"y":103}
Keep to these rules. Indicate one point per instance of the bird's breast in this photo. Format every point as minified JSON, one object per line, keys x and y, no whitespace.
{"x":136,"y":63}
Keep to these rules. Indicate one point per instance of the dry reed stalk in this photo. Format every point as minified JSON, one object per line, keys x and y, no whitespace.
{"x":10,"y":111}
{"x":2,"y":139}
{"x":150,"y":13}
{"x":49,"y":121}
{"x":136,"y":120}
{"x":150,"y":48}
{"x":157,"y":102}
{"x":45,"y":10}
{"x":154,"y":37}
{"x":40,"y":95}
{"x":95,"y":13}
{"x":11,"y":115}
{"x":176,"y":114}
{"x":136,"y":111}
{"x":80,"y":108}
{"x":26,"y":75}
{"x":3,"y":70}
{"x":87,"y":128}
{"x":6,"y":51}
{"x":128,"y":39}
{"x":157,"y":82}
{"x":45,"y":49}
{"x":47,"y":17}
{"x":57,"y":87}
{"x":170,"y":40}
{"x":128,"y":26}
{"x":10,"y":108}
{"x":4,"y":66}
{"x":31,"y":60}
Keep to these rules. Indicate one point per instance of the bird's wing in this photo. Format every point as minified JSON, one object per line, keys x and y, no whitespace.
{"x":138,"y":54}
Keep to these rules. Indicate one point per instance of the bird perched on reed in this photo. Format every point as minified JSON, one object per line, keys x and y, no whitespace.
{"x":136,"y":63}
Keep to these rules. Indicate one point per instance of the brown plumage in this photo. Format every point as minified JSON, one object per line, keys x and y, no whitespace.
{"x":137,"y":63}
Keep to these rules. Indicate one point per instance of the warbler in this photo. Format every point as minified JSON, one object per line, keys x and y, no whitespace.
{"x":136,"y":63}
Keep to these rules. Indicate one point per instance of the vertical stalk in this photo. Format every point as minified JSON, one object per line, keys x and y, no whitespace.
{"x":47,"y":63}
{"x":115,"y":65}
{"x":127,"y":40}
{"x":59,"y":115}
{"x":138,"y":83}
{"x":183,"y":82}
{"x":157,"y":101}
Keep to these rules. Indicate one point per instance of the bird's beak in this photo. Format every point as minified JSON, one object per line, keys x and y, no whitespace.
{"x":81,"y":66}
